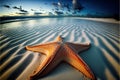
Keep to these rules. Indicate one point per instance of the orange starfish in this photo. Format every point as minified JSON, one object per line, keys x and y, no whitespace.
{"x":58,"y":51}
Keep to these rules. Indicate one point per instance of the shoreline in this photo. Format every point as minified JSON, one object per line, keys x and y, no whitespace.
{"x":109,"y":20}
{"x":7,"y":19}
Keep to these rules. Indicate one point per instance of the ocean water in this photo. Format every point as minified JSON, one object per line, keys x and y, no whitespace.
{"x":17,"y":63}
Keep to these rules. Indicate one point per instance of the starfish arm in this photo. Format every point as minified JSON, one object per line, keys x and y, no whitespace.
{"x":37,"y":73}
{"x":73,"y":59}
{"x":78,"y":47}
{"x":44,"y":48}
{"x":50,"y":66}
{"x":59,"y":39}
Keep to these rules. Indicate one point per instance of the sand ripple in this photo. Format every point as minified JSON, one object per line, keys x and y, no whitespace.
{"x":17,"y":63}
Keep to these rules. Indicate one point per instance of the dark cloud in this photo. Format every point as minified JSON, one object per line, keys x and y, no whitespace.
{"x":15,"y":7}
{"x":55,"y":4}
{"x":77,"y":5}
{"x":67,"y":6}
{"x":60,"y":6}
{"x":37,"y":13}
{"x":20,"y":9}
{"x":59,"y":12}
{"x":6,"y":6}
{"x":32,"y":10}
{"x":24,"y":11}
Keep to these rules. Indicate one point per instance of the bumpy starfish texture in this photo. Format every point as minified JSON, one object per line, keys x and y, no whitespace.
{"x":57,"y":52}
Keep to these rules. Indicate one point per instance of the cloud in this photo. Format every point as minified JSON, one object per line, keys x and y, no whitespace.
{"x":60,"y":5}
{"x":33,"y":10}
{"x":77,"y":5}
{"x":58,"y":12}
{"x":6,"y":6}
{"x":55,"y":4}
{"x":36,"y":13}
{"x":24,"y":11}
{"x":20,"y":9}
{"x":15,"y":7}
{"x":67,"y":6}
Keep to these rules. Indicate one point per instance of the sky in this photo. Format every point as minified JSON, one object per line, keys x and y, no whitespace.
{"x":58,"y":7}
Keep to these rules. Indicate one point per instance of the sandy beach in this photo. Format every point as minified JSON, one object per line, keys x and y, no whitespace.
{"x":16,"y":63}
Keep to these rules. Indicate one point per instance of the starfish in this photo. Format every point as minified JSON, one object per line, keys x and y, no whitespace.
{"x":57,"y":52}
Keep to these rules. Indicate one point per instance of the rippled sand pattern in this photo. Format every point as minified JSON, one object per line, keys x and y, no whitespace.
{"x":17,"y":63}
